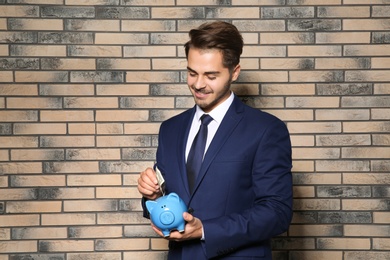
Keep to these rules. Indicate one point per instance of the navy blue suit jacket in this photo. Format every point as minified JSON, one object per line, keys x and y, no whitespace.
{"x":243,"y":194}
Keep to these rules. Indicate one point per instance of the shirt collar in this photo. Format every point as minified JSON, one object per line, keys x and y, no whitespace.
{"x":219,"y":112}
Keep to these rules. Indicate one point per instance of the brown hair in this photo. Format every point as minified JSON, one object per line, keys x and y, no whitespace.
{"x":218,"y":35}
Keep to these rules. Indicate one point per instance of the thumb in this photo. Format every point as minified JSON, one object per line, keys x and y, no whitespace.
{"x":188,"y":217}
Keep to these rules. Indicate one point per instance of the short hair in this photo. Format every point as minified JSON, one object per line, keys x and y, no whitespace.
{"x":218,"y":35}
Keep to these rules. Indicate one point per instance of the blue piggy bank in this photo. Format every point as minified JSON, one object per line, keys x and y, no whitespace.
{"x":166,"y":213}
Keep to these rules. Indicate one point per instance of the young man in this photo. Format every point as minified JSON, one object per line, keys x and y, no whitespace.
{"x":241,"y":196}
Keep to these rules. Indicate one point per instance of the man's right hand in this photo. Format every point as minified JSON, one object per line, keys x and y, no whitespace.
{"x":148,"y":185}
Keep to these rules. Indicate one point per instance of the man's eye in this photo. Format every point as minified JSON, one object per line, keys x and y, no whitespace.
{"x":211,"y":78}
{"x":191,"y":74}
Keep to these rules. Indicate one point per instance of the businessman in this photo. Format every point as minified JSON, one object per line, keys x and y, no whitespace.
{"x":231,"y":166}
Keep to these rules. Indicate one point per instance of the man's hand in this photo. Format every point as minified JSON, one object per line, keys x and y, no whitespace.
{"x":192,"y":230}
{"x":148,"y":185}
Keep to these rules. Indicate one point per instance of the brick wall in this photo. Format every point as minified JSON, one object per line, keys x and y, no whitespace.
{"x":85,"y":84}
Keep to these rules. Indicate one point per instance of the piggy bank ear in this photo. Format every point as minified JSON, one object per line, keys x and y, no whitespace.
{"x":173,"y":196}
{"x":150,"y":205}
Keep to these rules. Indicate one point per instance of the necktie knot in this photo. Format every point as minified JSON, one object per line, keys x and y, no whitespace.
{"x":206,"y":119}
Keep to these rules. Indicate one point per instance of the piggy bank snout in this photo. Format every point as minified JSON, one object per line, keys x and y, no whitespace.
{"x":167,"y":217}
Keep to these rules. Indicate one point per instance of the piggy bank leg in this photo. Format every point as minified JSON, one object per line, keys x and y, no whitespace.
{"x":180,"y":228}
{"x":166,"y":232}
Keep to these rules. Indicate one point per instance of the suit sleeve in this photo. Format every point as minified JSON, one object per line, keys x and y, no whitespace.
{"x":271,"y":212}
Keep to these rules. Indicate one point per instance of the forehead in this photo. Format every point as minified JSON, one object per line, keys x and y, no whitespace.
{"x":205,"y":60}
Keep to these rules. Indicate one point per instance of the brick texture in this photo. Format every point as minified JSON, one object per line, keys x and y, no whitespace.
{"x":85,"y":84}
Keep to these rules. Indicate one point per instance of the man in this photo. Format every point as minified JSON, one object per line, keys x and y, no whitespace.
{"x":242,"y":194}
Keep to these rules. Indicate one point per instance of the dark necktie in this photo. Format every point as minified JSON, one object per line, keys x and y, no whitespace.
{"x":195,"y":156}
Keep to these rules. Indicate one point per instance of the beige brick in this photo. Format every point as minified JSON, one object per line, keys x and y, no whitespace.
{"x":18,"y":89}
{"x":159,"y":244}
{"x":20,"y":167}
{"x":18,"y":142}
{"x":19,"y":11}
{"x":264,"y":76}
{"x":286,"y":38}
{"x":109,"y":128}
{"x":381,"y":89}
{"x":367,"y":230}
{"x":141,"y":128}
{"x":372,"y":204}
{"x":368,"y":178}
{"x":344,"y":11}
{"x":18,"y":246}
{"x":43,"y":2}
{"x":67,"y":141}
{"x":116,"y":192}
{"x":312,"y":102}
{"x":152,"y":76}
{"x":315,"y":76}
{"x":66,"y":245}
{"x":37,"y":154}
{"x":343,"y":37}
{"x":66,"y":90}
{"x":96,"y":232}
{"x":381,"y":243}
{"x":91,"y":256}
{"x":3,"y":24}
{"x":344,"y":243}
{"x":6,"y":76}
{"x":39,"y":233}
{"x":81,"y":128}
{"x":16,"y":220}
{"x":302,"y":140}
{"x":121,"y":115}
{"x":94,"y":180}
{"x":174,"y":12}
{"x":40,"y":181}
{"x":66,"y":219}
{"x":122,"y":89}
{"x":38,"y":128}
{"x":68,"y":64}
{"x":90,"y":102}
{"x":317,"y":204}
{"x":315,"y":230}
{"x":381,"y":217}
{"x":316,"y":51}
{"x":146,"y":25}
{"x":64,"y":116}
{"x":264,"y":51}
{"x":90,"y":205}
{"x":33,"y":206}
{"x":365,"y":24}
{"x":341,"y":63}
{"x":366,"y":50}
{"x":37,"y":24}
{"x":169,"y":64}
{"x":5,"y":234}
{"x":72,"y":167}
{"x":3,"y":181}
{"x":303,"y":192}
{"x":4,"y":51}
{"x":233,"y":12}
{"x":93,"y":25}
{"x":95,"y":51}
{"x":363,"y":255}
{"x":121,"y":218}
{"x":286,"y":64}
{"x":342,"y":114}
{"x":93,"y":154}
{"x":366,"y":127}
{"x":147,"y":102}
{"x":317,"y":178}
{"x":314,"y":127}
{"x":38,"y":51}
{"x":149,"y":51}
{"x":316,"y":153}
{"x":380,"y":63}
{"x":124,"y":64}
{"x":342,"y":165}
{"x":122,"y":244}
{"x":379,"y":139}
{"x":4,"y":156}
{"x":121,"y":38}
{"x":365,"y":152}
{"x":343,"y":140}
{"x":34,"y":103}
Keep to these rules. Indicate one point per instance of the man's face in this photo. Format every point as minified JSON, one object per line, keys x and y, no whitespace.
{"x":207,"y":78}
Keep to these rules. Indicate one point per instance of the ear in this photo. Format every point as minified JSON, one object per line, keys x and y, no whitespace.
{"x":173,"y":196}
{"x":236,"y":72}
{"x":150,"y":205}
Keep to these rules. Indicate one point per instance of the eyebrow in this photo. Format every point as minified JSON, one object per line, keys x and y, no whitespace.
{"x":207,"y":73}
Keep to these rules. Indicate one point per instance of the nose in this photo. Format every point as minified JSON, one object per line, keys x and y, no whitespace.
{"x":199,"y":83}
